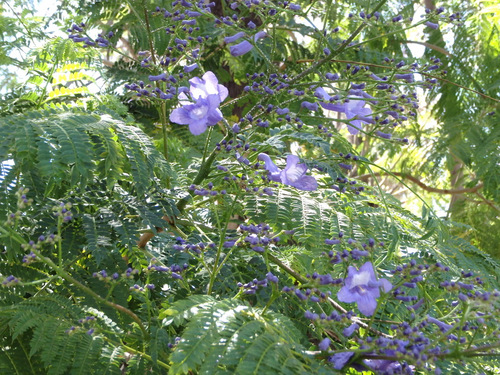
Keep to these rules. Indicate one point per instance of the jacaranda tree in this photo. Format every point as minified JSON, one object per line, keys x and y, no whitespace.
{"x":195,"y":188}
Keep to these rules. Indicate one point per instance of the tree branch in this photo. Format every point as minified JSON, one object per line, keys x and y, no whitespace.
{"x":431,"y":189}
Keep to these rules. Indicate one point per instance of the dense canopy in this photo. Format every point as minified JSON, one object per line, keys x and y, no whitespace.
{"x":249,"y":187}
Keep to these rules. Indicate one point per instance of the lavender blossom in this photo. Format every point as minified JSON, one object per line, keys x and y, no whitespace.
{"x":354,"y":109}
{"x":234,"y":38}
{"x":339,"y":360}
{"x":203,"y":109}
{"x":363,"y":288}
{"x":245,"y":46}
{"x":294,"y":174}
{"x":432,"y":25}
{"x":324,"y":344}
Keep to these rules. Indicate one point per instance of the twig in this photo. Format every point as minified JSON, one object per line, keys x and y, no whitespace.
{"x":426,"y":187}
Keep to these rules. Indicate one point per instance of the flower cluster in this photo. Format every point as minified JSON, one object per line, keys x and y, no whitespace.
{"x":63,"y":211}
{"x":84,"y":324}
{"x":259,"y":236}
{"x":10,"y":281}
{"x":22,"y":203}
{"x":103,"y":40}
{"x":175,"y":270}
{"x":252,"y":286}
{"x":202,"y":108}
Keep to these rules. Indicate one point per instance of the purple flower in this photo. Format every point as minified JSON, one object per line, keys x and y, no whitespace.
{"x":310,"y":106}
{"x":354,"y":109}
{"x":384,"y":135}
{"x":294,"y":173}
{"x":432,"y":25}
{"x":383,"y":366}
{"x":234,"y":38}
{"x":203,"y":109}
{"x":324,"y":344}
{"x":350,"y":330}
{"x":241,"y":48}
{"x":408,"y":77}
{"x":363,"y":288}
{"x":332,"y":76}
{"x":339,"y":360}
{"x":190,"y":68}
{"x":442,"y":326}
{"x":245,"y":46}
{"x":160,"y":77}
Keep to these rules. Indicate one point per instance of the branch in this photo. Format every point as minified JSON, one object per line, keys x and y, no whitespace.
{"x":430,"y":46}
{"x":181,"y":204}
{"x":488,"y":202}
{"x":426,"y":187}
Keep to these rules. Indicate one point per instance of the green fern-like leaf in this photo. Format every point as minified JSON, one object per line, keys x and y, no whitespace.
{"x":228,"y":337}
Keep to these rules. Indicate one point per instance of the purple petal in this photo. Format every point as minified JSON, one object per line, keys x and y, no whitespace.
{"x":310,"y":106}
{"x":350,"y":330}
{"x":322,"y":94}
{"x":214,"y":116}
{"x":240,"y":48}
{"x":368,"y":267}
{"x":324,"y":344}
{"x":274,"y":171}
{"x":234,"y":38}
{"x":345,"y":295}
{"x":307,"y":183}
{"x":190,"y":68}
{"x":333,"y":107}
{"x":197,"y":127}
{"x":180,"y":116}
{"x":386,"y":285}
{"x":366,"y":303}
{"x":355,"y":129}
{"x":259,"y":35}
{"x":207,"y":85}
{"x":339,"y":360}
{"x":293,"y":170}
{"x":269,"y":165}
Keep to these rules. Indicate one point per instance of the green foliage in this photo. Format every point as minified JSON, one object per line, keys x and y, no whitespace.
{"x":83,"y":182}
{"x":226,"y":337}
{"x":50,"y":146}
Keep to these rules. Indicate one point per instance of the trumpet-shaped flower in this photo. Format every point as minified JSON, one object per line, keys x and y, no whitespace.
{"x":202,"y":108}
{"x":363,"y":288}
{"x":245,"y":46}
{"x":294,"y":173}
{"x":354,"y":109}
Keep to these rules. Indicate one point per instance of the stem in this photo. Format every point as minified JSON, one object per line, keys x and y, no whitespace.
{"x":202,"y":174}
{"x":66,"y":276}
{"x":59,"y":239}
{"x":148,"y":357}
{"x":207,"y":142}
{"x":337,"y":51}
{"x":150,"y":34}
{"x":163,"y":117}
{"x":217,"y":268}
